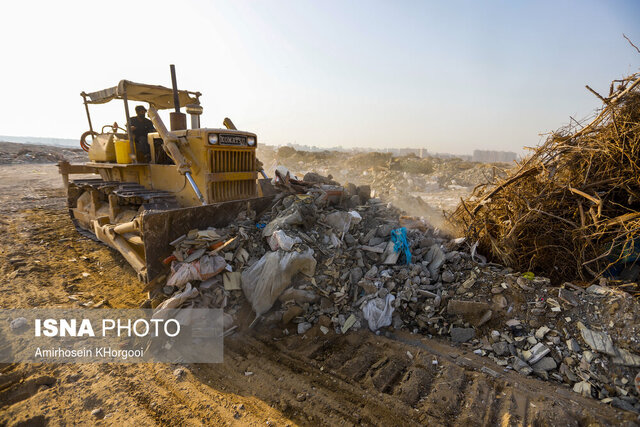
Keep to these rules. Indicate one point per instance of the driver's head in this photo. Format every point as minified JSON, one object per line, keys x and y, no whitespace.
{"x":140,"y":111}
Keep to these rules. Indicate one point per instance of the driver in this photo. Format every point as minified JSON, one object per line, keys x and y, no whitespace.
{"x":140,"y":127}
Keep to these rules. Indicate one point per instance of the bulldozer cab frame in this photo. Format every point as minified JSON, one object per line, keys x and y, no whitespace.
{"x":159,"y":96}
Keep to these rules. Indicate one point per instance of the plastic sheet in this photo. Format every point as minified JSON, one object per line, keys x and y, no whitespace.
{"x":378,"y":312}
{"x":280,"y":240}
{"x":202,"y":269}
{"x":176,"y":300}
{"x":264,"y":281}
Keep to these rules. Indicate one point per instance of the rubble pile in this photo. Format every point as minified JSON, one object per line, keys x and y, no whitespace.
{"x":571,"y":209}
{"x":393,"y":179}
{"x":466,"y":174}
{"x":333,"y":259}
{"x":587,"y":339}
{"x":17,"y":153}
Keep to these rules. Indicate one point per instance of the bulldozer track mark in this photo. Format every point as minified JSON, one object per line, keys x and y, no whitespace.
{"x":22,"y":390}
{"x":357,"y":367}
{"x":353,"y":396}
{"x":377,"y":380}
{"x":415,"y":386}
{"x":473,"y":406}
{"x":389,"y":375}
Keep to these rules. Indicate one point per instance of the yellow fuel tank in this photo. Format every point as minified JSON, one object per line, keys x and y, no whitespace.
{"x":102,"y":148}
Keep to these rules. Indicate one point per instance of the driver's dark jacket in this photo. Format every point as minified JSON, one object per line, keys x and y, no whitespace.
{"x":142,"y":127}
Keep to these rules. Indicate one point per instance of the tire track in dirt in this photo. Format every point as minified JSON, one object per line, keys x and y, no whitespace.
{"x":379,"y":384}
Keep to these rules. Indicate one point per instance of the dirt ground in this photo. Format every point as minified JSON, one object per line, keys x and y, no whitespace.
{"x":358,"y":378}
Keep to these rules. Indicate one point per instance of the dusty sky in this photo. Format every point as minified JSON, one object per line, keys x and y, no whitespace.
{"x":448,"y":76}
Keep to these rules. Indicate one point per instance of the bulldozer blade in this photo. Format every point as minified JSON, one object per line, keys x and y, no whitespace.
{"x":159,"y":228}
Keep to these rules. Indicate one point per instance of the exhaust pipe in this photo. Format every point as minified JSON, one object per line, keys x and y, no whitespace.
{"x":177,"y":120}
{"x":194,"y":111}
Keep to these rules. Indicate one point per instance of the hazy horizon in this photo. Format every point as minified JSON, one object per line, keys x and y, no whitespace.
{"x":449,"y":77}
{"x":74,"y":143}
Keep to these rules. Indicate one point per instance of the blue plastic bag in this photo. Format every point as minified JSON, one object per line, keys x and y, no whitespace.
{"x":400,"y":243}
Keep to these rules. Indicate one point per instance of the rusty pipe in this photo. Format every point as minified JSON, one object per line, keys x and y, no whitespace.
{"x":127,"y":227}
{"x":174,"y":85}
{"x":106,"y":234}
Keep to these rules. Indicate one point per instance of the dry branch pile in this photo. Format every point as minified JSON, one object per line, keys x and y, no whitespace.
{"x":572,"y":208}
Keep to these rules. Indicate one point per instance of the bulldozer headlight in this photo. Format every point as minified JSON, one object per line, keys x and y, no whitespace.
{"x":251,"y":141}
{"x":213,"y":139}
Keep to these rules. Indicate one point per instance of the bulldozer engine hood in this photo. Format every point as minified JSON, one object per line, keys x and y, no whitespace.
{"x":159,"y":96}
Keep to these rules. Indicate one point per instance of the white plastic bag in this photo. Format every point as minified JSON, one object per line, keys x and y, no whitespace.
{"x":264,"y":281}
{"x":184,"y":272}
{"x":202,"y":269}
{"x":290,"y":216}
{"x":342,"y":221}
{"x":209,"y":266}
{"x":164,"y":309}
{"x":378,"y":312}
{"x":280,"y":240}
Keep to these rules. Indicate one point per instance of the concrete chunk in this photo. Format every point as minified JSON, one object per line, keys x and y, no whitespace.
{"x":626,"y":358}
{"x":538,"y":351}
{"x":598,"y":341}
{"x":545,"y":364}
{"x":461,"y":335}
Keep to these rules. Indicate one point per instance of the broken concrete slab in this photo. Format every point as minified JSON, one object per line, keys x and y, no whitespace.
{"x":304,"y":327}
{"x":598,"y":341}
{"x":461,"y":335}
{"x":351,"y":320}
{"x":378,"y":249}
{"x":476,"y":313}
{"x":448,"y":276}
{"x":195,"y":255}
{"x":598,"y":290}
{"x":521,"y":366}
{"x":545,"y":364}
{"x":573,"y":345}
{"x":541,"y":332}
{"x":583,"y":388}
{"x":568,"y":296}
{"x":501,"y":348}
{"x":390,"y":256}
{"x":538,"y":351}
{"x":626,"y":358}
{"x":437,"y":257}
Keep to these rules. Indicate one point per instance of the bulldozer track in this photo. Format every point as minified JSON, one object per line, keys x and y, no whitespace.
{"x":128,"y":194}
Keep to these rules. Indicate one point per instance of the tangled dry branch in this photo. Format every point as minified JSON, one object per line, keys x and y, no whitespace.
{"x":571,"y":208}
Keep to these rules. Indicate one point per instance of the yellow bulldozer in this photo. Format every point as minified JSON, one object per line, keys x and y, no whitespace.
{"x":147,"y":196}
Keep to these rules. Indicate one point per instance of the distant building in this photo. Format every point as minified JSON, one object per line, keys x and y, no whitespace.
{"x":486,"y":156}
